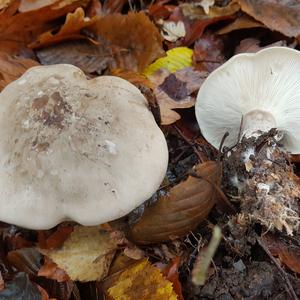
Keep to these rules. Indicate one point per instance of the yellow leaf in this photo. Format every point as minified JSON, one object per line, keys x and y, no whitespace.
{"x":86,"y":255}
{"x":142,"y":281}
{"x":176,"y":59}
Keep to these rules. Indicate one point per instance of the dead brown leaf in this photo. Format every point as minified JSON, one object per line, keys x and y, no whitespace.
{"x":87,"y":56}
{"x":288,"y":253}
{"x":208,"y":52}
{"x":51,"y":240}
{"x":86,"y":254}
{"x":133,"y":38}
{"x":175,"y":91}
{"x":198,"y":20}
{"x":27,"y":5}
{"x":12,"y":68}
{"x":52,"y":271}
{"x":19,"y":29}
{"x":181,"y":209}
{"x":242,"y":22}
{"x":279,"y":15}
{"x":74,"y":23}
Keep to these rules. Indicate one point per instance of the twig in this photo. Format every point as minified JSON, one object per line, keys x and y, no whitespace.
{"x":201,"y":158}
{"x":288,"y":285}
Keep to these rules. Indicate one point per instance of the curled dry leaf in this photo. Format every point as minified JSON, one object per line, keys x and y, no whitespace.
{"x":24,"y":30}
{"x":288,"y":253}
{"x":12,"y":68}
{"x":86,"y":254}
{"x":175,"y":91}
{"x":181,"y":209}
{"x":279,"y":15}
{"x":242,"y":22}
{"x":141,"y":281}
{"x":134,"y":39}
{"x":70,"y":30}
{"x":52,"y":271}
{"x":85,"y":55}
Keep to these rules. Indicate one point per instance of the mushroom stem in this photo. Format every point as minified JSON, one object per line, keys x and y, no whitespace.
{"x":257,"y":122}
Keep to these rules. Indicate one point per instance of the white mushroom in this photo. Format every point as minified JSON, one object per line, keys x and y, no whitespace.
{"x":75,"y":149}
{"x":260,"y":91}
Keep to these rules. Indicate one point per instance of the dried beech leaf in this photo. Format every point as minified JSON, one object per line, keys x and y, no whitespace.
{"x":70,"y":30}
{"x":287,"y":253}
{"x":86,"y":254}
{"x":279,"y":15}
{"x":4,"y":3}
{"x":12,"y":68}
{"x":242,"y":22}
{"x":25,"y":27}
{"x":87,"y":56}
{"x":174,"y":91}
{"x":134,"y":39}
{"x":52,"y":271}
{"x":182,"y":209}
{"x":141,"y":281}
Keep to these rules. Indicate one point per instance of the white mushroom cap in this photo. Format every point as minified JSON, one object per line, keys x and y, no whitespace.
{"x":263,"y":88}
{"x":72,"y":148}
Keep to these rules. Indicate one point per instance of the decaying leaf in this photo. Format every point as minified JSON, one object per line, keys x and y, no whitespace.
{"x":141,"y":281}
{"x":208,"y":52}
{"x":288,"y":253}
{"x":4,"y":3}
{"x":279,"y":15}
{"x":52,"y":271}
{"x":70,"y":30}
{"x":86,"y":254}
{"x":181,"y":209}
{"x":12,"y":68}
{"x":134,"y":39}
{"x":25,"y":27}
{"x":242,"y":22}
{"x":175,"y":59}
{"x":175,"y":91}
{"x":85,"y":55}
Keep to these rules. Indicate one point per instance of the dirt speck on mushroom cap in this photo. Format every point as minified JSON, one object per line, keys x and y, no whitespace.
{"x":72,"y":148}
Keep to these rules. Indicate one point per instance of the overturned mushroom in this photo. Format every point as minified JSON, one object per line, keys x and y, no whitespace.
{"x":75,"y":149}
{"x":256,"y":99}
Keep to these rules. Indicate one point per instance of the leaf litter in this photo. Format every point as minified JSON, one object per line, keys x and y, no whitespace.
{"x":167,"y":49}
